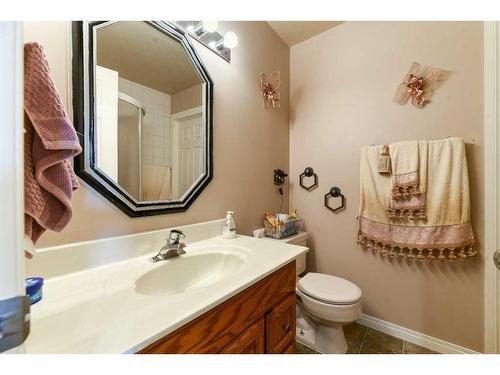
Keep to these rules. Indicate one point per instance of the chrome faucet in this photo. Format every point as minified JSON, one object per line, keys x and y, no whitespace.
{"x":173,"y":248}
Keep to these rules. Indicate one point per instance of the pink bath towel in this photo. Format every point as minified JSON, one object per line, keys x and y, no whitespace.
{"x":50,"y":142}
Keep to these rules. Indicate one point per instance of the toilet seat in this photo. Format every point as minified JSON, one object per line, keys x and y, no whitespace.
{"x":329,"y":289}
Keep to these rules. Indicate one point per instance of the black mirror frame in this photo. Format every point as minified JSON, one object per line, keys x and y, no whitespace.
{"x":83,"y":87}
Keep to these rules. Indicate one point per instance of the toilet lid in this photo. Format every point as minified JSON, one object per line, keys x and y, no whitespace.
{"x":329,"y":288}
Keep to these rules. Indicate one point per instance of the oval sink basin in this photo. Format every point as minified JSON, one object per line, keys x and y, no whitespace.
{"x":188,"y":272}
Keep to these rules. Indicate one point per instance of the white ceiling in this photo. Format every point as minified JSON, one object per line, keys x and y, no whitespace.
{"x":145,"y":55}
{"x":294,"y":32}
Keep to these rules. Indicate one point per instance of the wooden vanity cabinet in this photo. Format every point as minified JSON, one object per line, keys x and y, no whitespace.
{"x":280,"y":326}
{"x":258,"y":320}
{"x":252,"y":341}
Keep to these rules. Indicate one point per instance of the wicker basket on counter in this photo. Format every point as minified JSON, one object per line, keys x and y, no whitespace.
{"x":287,"y":229}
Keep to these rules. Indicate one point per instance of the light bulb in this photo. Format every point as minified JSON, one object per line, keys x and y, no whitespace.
{"x":230,"y":40}
{"x":212,"y":45}
{"x":209,"y":26}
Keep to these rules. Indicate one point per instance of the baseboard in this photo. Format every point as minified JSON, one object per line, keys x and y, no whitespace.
{"x":414,"y":337}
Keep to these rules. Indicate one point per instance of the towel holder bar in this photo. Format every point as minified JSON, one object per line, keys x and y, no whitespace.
{"x":335,"y":192}
{"x":308,"y":172}
{"x":473,"y":141}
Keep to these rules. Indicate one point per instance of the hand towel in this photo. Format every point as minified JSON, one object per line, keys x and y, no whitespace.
{"x":447,"y":232}
{"x":50,"y":142}
{"x":409,"y":180}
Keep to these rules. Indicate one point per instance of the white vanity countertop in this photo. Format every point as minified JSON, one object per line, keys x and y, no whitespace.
{"x":99,"y":310}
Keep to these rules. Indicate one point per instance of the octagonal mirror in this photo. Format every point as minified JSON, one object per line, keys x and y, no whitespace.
{"x":142,"y":103}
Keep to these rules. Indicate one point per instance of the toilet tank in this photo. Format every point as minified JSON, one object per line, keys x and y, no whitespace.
{"x":299,"y":239}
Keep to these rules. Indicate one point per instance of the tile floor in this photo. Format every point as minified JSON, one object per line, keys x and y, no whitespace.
{"x":364,"y":340}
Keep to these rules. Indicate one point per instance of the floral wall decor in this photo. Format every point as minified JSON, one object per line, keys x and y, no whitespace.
{"x":269,"y":89}
{"x":418,"y":85}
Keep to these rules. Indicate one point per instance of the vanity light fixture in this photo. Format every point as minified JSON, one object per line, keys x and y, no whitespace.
{"x":206,"y":33}
{"x":230,"y":40}
{"x":210,"y":26}
{"x":201,"y":28}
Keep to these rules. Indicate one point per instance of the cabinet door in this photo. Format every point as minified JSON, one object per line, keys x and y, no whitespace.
{"x":249,"y":342}
{"x":291,"y":349}
{"x":281,"y":325}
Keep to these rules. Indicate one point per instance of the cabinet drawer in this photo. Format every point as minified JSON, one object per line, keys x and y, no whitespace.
{"x":280,"y":323}
{"x":250,"y":342}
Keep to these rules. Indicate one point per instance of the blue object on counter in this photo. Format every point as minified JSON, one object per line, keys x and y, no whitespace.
{"x":34,"y":288}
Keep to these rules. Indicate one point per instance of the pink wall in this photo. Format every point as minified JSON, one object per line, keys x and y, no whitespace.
{"x":342,"y":85}
{"x":249,"y":142}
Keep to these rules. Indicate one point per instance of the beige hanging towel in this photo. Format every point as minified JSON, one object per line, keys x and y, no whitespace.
{"x":446,"y":232}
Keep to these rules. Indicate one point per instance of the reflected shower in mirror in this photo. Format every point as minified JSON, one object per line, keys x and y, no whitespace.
{"x":149,"y":112}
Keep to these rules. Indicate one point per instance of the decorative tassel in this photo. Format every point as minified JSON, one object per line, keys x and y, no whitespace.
{"x":383,"y":250}
{"x":410,"y":255}
{"x":403,"y":214}
{"x":441,"y":255}
{"x":387,"y":249}
{"x":462,"y":254}
{"x":472,"y":251}
{"x":384,"y":161}
{"x":369,"y":245}
{"x":452,"y":255}
{"x":420,"y":256}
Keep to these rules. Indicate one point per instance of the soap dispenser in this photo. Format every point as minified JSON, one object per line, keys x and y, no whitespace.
{"x":229,"y":228}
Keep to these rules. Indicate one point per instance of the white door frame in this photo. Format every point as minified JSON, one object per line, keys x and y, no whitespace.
{"x":492,"y":185}
{"x":175,"y":120}
{"x":11,"y":161}
{"x":11,"y":164}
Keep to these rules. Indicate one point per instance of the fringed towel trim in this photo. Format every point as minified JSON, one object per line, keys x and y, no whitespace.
{"x":407,"y":214}
{"x":415,"y":242}
{"x":451,"y":253}
{"x":405,"y":186}
{"x":410,"y":209}
{"x":405,"y":192}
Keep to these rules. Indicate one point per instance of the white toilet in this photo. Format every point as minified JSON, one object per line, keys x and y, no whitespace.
{"x":324,"y":304}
